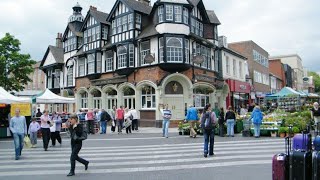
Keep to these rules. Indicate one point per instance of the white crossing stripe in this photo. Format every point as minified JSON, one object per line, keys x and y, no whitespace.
{"x":146,"y":158}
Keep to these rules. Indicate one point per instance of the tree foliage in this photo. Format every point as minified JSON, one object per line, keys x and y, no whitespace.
{"x":316,"y":79}
{"x":14,"y":66}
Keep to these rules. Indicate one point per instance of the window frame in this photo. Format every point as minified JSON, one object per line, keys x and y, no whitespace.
{"x":149,"y":97}
{"x":144,"y":52}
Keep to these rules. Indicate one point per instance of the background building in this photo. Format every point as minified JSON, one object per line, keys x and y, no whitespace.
{"x":235,"y":71}
{"x":258,"y":65}
{"x":295,"y":62}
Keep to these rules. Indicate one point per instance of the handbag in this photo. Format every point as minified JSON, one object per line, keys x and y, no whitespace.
{"x":27,"y":142}
{"x":83,"y":136}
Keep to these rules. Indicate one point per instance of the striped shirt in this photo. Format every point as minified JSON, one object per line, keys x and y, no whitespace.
{"x":18,"y":125}
{"x":166,"y":114}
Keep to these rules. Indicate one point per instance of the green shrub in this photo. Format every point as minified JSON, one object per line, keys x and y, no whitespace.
{"x":296,"y":130}
{"x":282,"y":130}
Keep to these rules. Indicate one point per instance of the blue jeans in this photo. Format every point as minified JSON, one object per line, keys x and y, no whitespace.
{"x":208,"y":135}
{"x":18,"y":143}
{"x":165,"y":127}
{"x":230,"y":127}
{"x":103,"y":125}
{"x":256,"y":130}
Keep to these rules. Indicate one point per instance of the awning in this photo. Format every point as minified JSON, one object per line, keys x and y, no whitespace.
{"x":49,"y":97}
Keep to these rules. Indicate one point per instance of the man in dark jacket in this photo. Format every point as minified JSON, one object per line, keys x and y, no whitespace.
{"x":103,"y":121}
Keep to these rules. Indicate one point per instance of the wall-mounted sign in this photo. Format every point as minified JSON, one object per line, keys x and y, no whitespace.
{"x":243,"y":87}
{"x":115,"y":80}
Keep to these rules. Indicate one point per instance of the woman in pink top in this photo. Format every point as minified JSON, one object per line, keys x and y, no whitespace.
{"x":90,"y":118}
{"x":45,"y":129}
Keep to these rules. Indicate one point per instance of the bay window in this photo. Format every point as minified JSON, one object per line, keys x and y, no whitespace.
{"x":122,"y":57}
{"x":131,"y":55}
{"x":187,"y":51}
{"x":99,"y":62}
{"x":81,"y":67}
{"x":178,"y":13}
{"x":169,"y":12}
{"x":196,"y":27}
{"x":144,"y":50}
{"x":185,"y":16}
{"x":70,"y":76}
{"x":109,"y":61}
{"x":161,"y":51}
{"x":174,"y":49}
{"x":160,"y":14}
{"x":91,"y":63}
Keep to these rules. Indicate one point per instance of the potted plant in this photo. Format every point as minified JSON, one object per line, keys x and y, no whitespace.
{"x":295,"y":130}
{"x":282,"y":132}
{"x":180,"y":128}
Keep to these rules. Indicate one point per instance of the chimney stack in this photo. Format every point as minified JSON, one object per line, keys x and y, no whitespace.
{"x":93,"y":8}
{"x":147,"y":2}
{"x":59,"y":40}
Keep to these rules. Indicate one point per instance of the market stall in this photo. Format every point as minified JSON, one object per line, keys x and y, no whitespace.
{"x":288,"y":99}
{"x":8,"y":104}
{"x":49,"y":97}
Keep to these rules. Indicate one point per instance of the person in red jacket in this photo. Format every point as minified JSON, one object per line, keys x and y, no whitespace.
{"x":120,"y":118}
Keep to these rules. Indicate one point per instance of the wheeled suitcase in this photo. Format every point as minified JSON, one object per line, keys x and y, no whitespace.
{"x":316,"y":165}
{"x":300,"y":161}
{"x":280,"y":163}
{"x":300,"y":141}
{"x":316,"y":143}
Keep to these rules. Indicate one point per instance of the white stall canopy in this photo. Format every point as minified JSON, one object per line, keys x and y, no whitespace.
{"x":49,"y":97}
{"x":7,"y":98}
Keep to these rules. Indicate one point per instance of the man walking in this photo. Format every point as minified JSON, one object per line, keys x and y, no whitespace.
{"x":192,"y":117}
{"x":18,"y":127}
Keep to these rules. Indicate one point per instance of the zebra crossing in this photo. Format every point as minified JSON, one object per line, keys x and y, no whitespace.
{"x":141,"y":158}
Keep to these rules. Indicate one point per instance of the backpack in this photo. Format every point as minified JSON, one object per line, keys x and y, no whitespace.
{"x":108,"y":117}
{"x":207,"y":124}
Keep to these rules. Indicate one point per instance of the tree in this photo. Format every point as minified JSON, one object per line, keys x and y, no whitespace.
{"x":316,"y":79}
{"x":14,"y":67}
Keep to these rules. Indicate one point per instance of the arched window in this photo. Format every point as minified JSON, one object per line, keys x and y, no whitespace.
{"x":96,"y":99}
{"x":174,"y":49}
{"x":84,"y":100}
{"x":122,"y":57}
{"x":148,"y":97}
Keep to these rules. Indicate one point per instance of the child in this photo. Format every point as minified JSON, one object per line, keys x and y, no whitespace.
{"x":33,"y":131}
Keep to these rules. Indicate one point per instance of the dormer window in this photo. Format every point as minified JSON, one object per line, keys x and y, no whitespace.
{"x":173,"y":13}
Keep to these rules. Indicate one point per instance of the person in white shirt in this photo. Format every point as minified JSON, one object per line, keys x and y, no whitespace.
{"x":45,"y":129}
{"x":33,"y":131}
{"x":134,"y":115}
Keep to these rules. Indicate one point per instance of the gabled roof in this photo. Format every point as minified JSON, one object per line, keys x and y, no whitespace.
{"x":57,"y":54}
{"x":100,"y":16}
{"x":134,"y":5}
{"x":213,"y":17}
{"x":194,"y":2}
{"x":138,"y":6}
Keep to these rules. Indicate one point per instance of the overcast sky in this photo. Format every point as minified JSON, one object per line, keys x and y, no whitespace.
{"x":278,"y":26}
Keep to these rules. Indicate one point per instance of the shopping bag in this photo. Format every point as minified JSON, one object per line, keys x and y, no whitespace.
{"x":27,"y":142}
{"x":127,"y":123}
{"x":53,"y":127}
